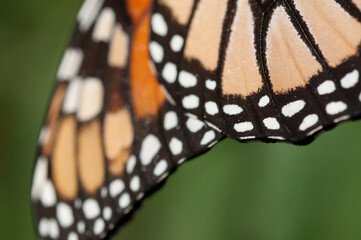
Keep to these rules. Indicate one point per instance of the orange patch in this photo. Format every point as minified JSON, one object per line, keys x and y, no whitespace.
{"x":52,"y":117}
{"x":64,"y":161}
{"x":90,"y":157}
{"x":137,"y":8}
{"x":147,"y":95}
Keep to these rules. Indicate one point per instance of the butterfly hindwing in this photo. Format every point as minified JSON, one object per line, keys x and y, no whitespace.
{"x":110,"y":136}
{"x":270,"y":70}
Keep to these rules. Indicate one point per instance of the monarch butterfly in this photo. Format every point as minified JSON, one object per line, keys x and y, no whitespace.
{"x":145,"y":85}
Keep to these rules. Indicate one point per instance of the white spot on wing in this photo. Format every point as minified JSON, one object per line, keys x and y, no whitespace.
{"x":271,"y":123}
{"x":334,"y":108}
{"x":308,"y":121}
{"x":187,"y":79}
{"x":150,"y":147}
{"x":190,"y":101}
{"x":263,"y":101}
{"x":131,"y":164}
{"x":91,"y":208}
{"x":156,"y":51}
{"x":159,"y":26}
{"x":124,"y":200}
{"x":116,"y":187}
{"x":293,"y":107}
{"x":194,"y":125}
{"x":80,"y":227}
{"x":170,"y":120}
{"x":53,"y":229}
{"x":232,"y":109}
{"x":91,"y":101}
{"x":326,"y":87}
{"x":211,"y":108}
{"x":44,"y":135}
{"x":104,"y":26}
{"x":211,"y":84}
{"x":72,"y":96}
{"x":134,"y":183}
{"x":73,"y":236}
{"x":39,"y":179}
{"x":70,"y":64}
{"x":88,"y":13}
{"x":169,"y":72}
{"x":43,"y":227}
{"x":98,"y":226}
{"x":64,"y":215}
{"x":107,"y":213}
{"x":160,"y":168}
{"x":48,"y":195}
{"x":243,"y":126}
{"x":176,"y":146}
{"x":208,"y":137}
{"x":350,"y":80}
{"x":176,"y":43}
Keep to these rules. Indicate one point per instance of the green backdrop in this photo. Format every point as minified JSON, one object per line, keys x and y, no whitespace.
{"x":253,"y":191}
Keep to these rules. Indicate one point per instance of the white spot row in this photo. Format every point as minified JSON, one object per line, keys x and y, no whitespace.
{"x":70,"y":64}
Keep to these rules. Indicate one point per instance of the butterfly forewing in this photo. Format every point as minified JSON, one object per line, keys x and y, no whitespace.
{"x":270,"y":70}
{"x":111,"y":135}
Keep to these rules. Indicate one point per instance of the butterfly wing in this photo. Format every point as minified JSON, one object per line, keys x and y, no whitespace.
{"x":265,"y":69}
{"x":111,"y":135}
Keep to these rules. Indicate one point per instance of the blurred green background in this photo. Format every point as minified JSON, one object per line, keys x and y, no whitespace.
{"x":252,"y":191}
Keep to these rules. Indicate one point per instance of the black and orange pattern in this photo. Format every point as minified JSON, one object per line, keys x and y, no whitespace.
{"x":146,"y":85}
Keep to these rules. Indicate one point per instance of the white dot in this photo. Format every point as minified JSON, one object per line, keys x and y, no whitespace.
{"x":91,"y":208}
{"x":73,"y":236}
{"x":116,"y":187}
{"x":211,"y":108}
{"x":150,"y":147}
{"x":88,"y":13}
{"x":271,"y":123}
{"x":64,"y":215}
{"x":80,"y":227}
{"x":48,"y":195}
{"x":243,"y":126}
{"x":70,"y":64}
{"x":232,"y":109}
{"x":99,"y":226}
{"x":72,"y":96}
{"x":308,"y":122}
{"x":208,"y":137}
{"x":104,"y":26}
{"x":334,"y":108}
{"x":131,"y":164}
{"x":211,"y":84}
{"x":194,"y":125}
{"x":160,"y":168}
{"x":350,"y":80}
{"x":91,"y":100}
{"x":43,"y":227}
{"x":134,"y":183}
{"x":107,"y":213}
{"x":170,"y":120}
{"x":326,"y":87}
{"x":169,"y":72}
{"x":104,"y":192}
{"x":176,"y":43}
{"x":77,"y":203}
{"x":44,"y":135}
{"x":156,"y":51}
{"x":293,"y":107}
{"x":176,"y":146}
{"x":53,"y":229}
{"x":39,"y":178}
{"x":190,"y":101}
{"x":263,"y":101}
{"x":124,"y":200}
{"x":187,"y":79}
{"x":359,"y":97}
{"x":159,"y":26}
